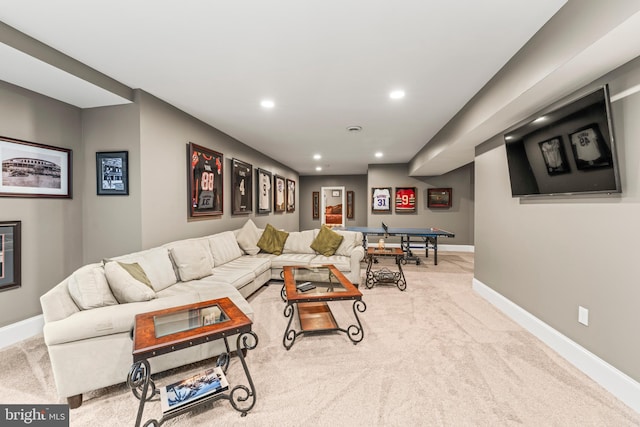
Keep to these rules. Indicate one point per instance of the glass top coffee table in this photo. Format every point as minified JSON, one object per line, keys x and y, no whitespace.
{"x":308,"y":290}
{"x":176,"y":328}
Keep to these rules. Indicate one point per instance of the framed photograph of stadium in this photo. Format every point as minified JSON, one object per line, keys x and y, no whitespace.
{"x":34,"y":170}
{"x":315,"y":205}
{"x":439,"y":197}
{"x":10,"y":260}
{"x":589,"y":148}
{"x":381,"y":199}
{"x":350,"y":206}
{"x":112,"y":173}
{"x":204,"y":181}
{"x":279,"y":189}
{"x":263,"y":190}
{"x":291,"y":195}
{"x":555,"y":158}
{"x":406,"y":199}
{"x":241,"y":187}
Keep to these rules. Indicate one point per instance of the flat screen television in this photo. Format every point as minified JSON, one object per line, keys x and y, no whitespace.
{"x":565,"y":151}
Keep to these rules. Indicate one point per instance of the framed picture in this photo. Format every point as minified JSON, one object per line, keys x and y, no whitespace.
{"x":241,"y":185}
{"x":589,"y":148}
{"x":263,"y":190}
{"x":291,"y":195}
{"x":315,"y":205}
{"x":204,"y":181}
{"x":279,"y":189}
{"x":335,"y":193}
{"x":555,"y":158}
{"x":350,"y":206}
{"x":381,"y":199}
{"x":10,"y":260}
{"x":439,"y":197}
{"x":112,"y":173}
{"x":405,"y":199}
{"x":34,"y":170}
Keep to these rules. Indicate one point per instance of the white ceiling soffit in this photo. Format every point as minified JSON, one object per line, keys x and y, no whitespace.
{"x":25,"y":71}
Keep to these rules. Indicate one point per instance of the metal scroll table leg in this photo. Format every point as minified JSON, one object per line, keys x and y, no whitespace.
{"x":289,"y":333}
{"x":402,"y":282}
{"x":242,"y":394}
{"x":369,"y":281}
{"x":355,"y":332}
{"x":139,"y":379}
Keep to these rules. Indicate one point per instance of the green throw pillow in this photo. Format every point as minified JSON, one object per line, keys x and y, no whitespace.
{"x":327,"y":241}
{"x":272,"y":240}
{"x":136,"y":271}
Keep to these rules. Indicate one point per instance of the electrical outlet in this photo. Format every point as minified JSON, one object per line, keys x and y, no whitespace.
{"x":583,"y":315}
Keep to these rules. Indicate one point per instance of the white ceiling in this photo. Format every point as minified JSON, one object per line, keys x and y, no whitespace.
{"x":326,"y":65}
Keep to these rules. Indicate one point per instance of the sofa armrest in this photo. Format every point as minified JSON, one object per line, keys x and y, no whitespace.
{"x":57,"y":303}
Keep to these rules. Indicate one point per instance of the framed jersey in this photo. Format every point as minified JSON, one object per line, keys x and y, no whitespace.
{"x":589,"y":148}
{"x":555,"y":159}
{"x":279,"y":191}
{"x":241,"y":186}
{"x":263,"y":190}
{"x":291,"y":195}
{"x":381,"y":199}
{"x":204,"y":181}
{"x":439,"y":198}
{"x":405,"y":199}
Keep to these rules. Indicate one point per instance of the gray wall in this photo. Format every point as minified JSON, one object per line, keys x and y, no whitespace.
{"x":51,"y":231}
{"x":550,"y":256}
{"x":355,"y":183}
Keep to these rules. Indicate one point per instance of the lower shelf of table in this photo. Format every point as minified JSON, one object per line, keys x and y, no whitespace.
{"x":316,"y":316}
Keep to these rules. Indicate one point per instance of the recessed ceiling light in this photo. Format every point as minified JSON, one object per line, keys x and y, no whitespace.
{"x":397,"y":94}
{"x":317,"y":156}
{"x":509,"y":137}
{"x":378,"y":154}
{"x":267,"y":103}
{"x":318,"y":168}
{"x":540,"y":119}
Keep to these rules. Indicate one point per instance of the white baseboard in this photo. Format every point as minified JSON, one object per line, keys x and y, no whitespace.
{"x":20,"y":331}
{"x":616,"y":382}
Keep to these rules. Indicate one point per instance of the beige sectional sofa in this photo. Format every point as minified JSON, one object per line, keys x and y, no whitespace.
{"x":89,"y":315}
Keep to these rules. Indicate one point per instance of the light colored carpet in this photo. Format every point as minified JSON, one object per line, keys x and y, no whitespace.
{"x":436,"y":354}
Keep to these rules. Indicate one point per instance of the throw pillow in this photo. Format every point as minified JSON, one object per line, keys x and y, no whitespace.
{"x":89,"y":288}
{"x":327,"y":241}
{"x":248,"y":237}
{"x":272,"y":241}
{"x":128,"y":282}
{"x":224,"y":248}
{"x":192,"y":258}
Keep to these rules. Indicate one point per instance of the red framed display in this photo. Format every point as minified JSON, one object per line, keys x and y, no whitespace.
{"x":205,"y":181}
{"x":406,"y":199}
{"x":439,"y":197}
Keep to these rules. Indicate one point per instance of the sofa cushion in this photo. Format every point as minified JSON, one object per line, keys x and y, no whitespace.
{"x":291,"y":259}
{"x":350,"y":241}
{"x":248,"y":237}
{"x":252,"y":263}
{"x":342,"y":263}
{"x":327,"y":241}
{"x":89,"y":288}
{"x":157,"y":265}
{"x":299,"y":242}
{"x":272,"y":241}
{"x":224,"y":248}
{"x":128,"y":282}
{"x":192,"y":258}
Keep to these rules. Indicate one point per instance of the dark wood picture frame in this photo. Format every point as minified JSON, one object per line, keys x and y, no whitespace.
{"x":291,"y":195}
{"x":30,"y":169}
{"x":205,"y":181}
{"x":10,"y":255}
{"x":264,"y":195}
{"x":279,"y":193}
{"x":587,"y":152}
{"x":554,"y":156}
{"x":350,"y":204}
{"x":315,"y":205}
{"x":241,"y":187}
{"x":406,"y":199}
{"x":112,"y":173}
{"x":381,"y":199}
{"x":439,"y":197}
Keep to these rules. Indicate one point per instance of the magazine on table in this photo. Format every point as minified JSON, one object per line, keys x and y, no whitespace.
{"x":188,"y":390}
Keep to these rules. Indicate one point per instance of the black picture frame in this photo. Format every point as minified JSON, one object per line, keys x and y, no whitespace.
{"x":291,"y":195}
{"x":241,"y":187}
{"x":315,"y":205}
{"x":279,"y":193}
{"x":350,"y":204}
{"x":204,"y":181}
{"x":589,"y":149}
{"x":30,"y":169}
{"x":554,"y":156}
{"x":112,"y":173}
{"x":438,"y":198}
{"x":264,"y":195}
{"x":10,"y":255}
{"x":381,"y":199}
{"x":406,"y":199}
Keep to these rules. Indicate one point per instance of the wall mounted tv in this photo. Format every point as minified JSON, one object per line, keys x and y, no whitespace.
{"x":566,"y":151}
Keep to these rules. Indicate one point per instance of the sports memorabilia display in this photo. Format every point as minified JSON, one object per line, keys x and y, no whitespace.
{"x":263,"y":189}
{"x":381,"y":199}
{"x":405,"y":199}
{"x":279,"y":196}
{"x":439,"y":197}
{"x":554,"y":156}
{"x":242,"y":184}
{"x":291,"y":195}
{"x":589,"y":149}
{"x":205,"y":181}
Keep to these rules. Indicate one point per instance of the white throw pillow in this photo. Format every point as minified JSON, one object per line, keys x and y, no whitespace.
{"x":349,"y":242}
{"x":224,"y":247}
{"x":157,"y":264}
{"x":191,"y":259}
{"x":89,"y":288}
{"x":126,"y":287}
{"x":248,"y":237}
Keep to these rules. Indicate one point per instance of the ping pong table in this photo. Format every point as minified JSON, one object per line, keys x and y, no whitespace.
{"x":428,"y":236}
